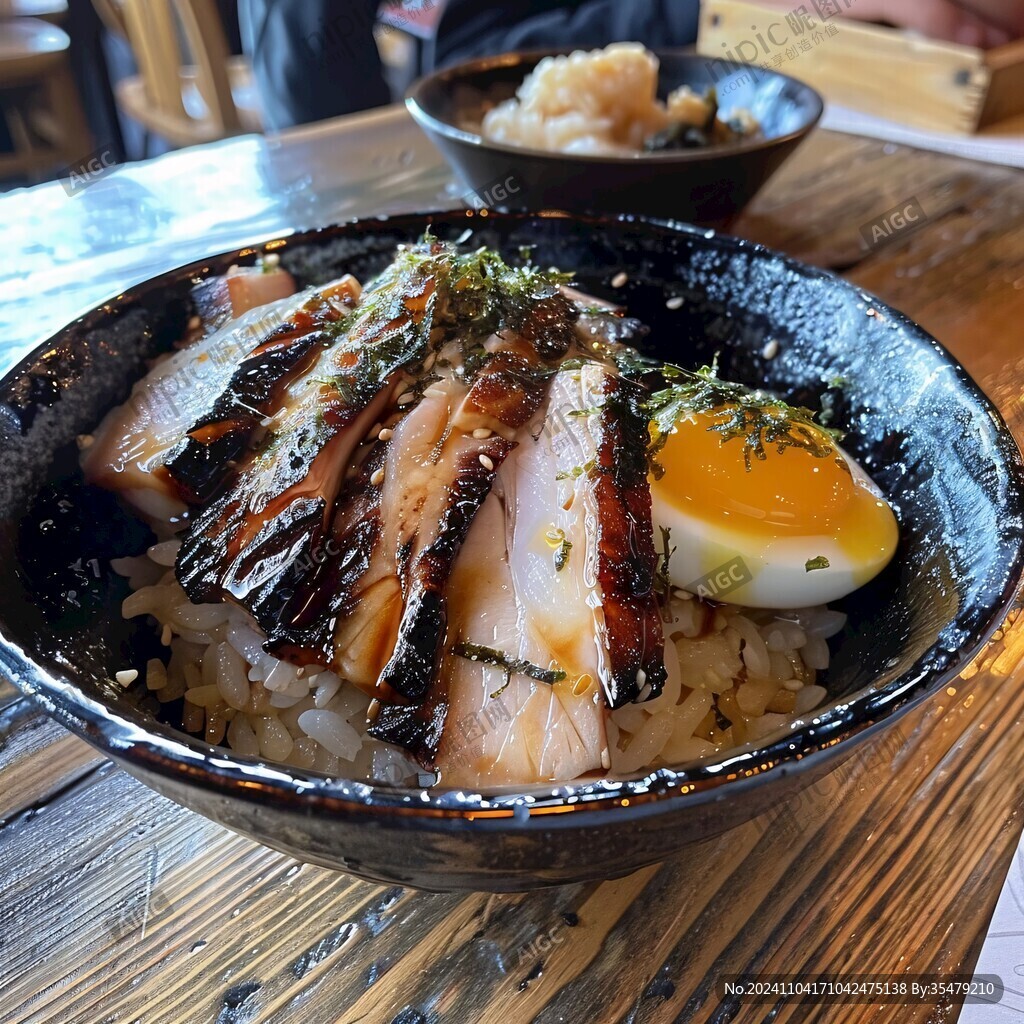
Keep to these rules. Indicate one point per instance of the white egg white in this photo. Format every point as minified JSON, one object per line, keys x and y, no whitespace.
{"x":719,"y":557}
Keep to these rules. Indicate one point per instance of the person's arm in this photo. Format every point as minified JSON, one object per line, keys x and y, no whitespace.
{"x":313,"y":59}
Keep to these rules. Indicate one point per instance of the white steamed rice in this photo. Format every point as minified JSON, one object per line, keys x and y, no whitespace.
{"x":739,"y":675}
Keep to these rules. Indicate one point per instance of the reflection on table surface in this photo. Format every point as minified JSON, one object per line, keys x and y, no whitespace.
{"x":66,"y":253}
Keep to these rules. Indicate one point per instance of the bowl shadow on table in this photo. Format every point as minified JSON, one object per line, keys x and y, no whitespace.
{"x":709,"y":187}
{"x":940,"y":452}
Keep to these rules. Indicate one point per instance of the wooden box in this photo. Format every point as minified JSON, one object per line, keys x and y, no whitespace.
{"x":905,"y":78}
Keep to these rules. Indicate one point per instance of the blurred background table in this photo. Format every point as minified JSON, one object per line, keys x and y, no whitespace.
{"x":120,"y":906}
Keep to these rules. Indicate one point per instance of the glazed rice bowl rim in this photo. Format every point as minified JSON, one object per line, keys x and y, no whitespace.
{"x":744,"y":144}
{"x":828,"y":733}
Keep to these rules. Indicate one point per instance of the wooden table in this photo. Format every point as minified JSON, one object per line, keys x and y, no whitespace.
{"x":119,"y":906}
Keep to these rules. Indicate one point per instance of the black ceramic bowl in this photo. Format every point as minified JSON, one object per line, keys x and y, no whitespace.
{"x":916,"y":420}
{"x":703,"y":186}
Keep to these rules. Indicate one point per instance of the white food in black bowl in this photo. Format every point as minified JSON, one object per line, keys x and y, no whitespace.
{"x":939,"y":453}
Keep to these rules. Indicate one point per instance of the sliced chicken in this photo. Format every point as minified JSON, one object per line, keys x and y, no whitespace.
{"x":249,"y":287}
{"x":132,"y":445}
{"x":441,"y":463}
{"x":279,"y":509}
{"x":205,"y":458}
{"x":502,"y":726}
{"x":412,"y":496}
{"x":582,"y":553}
{"x":221,"y":299}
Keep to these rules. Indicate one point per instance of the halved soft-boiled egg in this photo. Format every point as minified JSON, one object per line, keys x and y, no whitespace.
{"x":803,"y":526}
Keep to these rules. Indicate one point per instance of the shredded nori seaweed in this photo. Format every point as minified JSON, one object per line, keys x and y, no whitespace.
{"x":762,"y":420}
{"x":510,"y":666}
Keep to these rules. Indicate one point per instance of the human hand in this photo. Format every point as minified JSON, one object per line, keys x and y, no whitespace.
{"x":972,"y":22}
{"x":1006,"y":14}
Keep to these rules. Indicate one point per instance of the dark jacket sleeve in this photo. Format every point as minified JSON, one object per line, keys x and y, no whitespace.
{"x":313,"y":59}
{"x":470,"y":28}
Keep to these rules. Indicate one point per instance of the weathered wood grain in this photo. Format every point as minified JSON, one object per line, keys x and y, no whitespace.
{"x":837,"y":184}
{"x":835,"y":880}
{"x":38,"y":758}
{"x":119,"y":906}
{"x":8,"y":693}
{"x":882,"y":71}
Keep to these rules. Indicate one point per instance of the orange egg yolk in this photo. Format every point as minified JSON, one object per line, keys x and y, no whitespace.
{"x":787,"y":493}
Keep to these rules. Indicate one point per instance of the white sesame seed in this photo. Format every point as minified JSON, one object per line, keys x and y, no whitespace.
{"x":482,"y":433}
{"x":620,"y":279}
{"x":606,"y":759}
{"x":582,"y":684}
{"x":85,"y":441}
{"x":682,"y":595}
{"x":676,"y":302}
{"x":372,"y":710}
{"x":166,"y":635}
{"x":406,"y":398}
{"x":272,"y":260}
{"x":377,"y":478}
{"x":486,"y":463}
{"x":386,"y":434}
{"x":194,"y":323}
{"x":641,"y":677}
{"x":127,"y":677}
{"x":792,"y":685}
{"x":771,"y":350}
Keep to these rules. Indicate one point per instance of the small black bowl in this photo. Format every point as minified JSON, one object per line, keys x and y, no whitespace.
{"x":916,"y":420}
{"x":703,"y":186}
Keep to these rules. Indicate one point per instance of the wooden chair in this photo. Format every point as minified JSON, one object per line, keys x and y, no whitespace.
{"x":39,"y":99}
{"x":112,"y":16}
{"x":188,"y":94}
{"x":418,"y":20}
